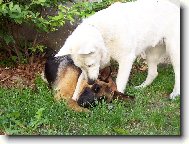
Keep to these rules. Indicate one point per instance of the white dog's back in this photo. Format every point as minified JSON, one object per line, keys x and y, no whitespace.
{"x":141,"y":24}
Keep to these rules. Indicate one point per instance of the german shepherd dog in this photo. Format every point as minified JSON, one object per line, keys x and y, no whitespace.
{"x":62,"y":76}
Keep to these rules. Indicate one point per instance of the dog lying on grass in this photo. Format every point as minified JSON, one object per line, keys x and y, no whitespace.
{"x":62,"y":76}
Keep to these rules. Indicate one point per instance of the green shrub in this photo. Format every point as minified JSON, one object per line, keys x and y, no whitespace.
{"x":33,"y":13}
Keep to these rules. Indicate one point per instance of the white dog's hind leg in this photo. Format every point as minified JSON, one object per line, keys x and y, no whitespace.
{"x":77,"y":89}
{"x":124,"y":72}
{"x":153,"y":56}
{"x":152,"y":74}
{"x":175,"y":59}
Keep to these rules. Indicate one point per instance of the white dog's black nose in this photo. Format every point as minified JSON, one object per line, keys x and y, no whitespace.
{"x":91,"y":82}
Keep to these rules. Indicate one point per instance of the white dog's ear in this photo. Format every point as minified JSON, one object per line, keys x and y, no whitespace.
{"x":86,"y":50}
{"x":63,"y":51}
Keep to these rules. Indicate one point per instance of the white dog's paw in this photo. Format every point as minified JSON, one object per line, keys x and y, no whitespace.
{"x":140,"y":86}
{"x":173,"y":95}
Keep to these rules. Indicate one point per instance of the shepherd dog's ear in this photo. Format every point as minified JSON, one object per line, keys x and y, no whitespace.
{"x":105,"y":74}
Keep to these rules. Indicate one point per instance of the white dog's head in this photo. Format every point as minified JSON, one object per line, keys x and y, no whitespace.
{"x":88,"y":51}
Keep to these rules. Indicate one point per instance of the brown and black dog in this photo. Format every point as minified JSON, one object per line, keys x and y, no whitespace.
{"x":62,"y":76}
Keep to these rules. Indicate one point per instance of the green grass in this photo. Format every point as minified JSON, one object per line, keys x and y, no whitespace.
{"x":34,"y":112}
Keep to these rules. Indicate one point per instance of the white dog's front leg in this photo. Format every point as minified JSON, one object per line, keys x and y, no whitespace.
{"x":76,"y":92}
{"x":123,"y":73}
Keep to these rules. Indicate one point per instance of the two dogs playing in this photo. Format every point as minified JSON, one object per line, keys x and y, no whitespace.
{"x":62,"y":76}
{"x":122,"y":32}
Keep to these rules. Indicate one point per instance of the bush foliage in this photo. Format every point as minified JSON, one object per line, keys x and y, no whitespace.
{"x":35,"y":14}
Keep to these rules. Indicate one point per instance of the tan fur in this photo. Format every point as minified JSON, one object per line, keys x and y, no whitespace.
{"x":65,"y":86}
{"x":66,"y":83}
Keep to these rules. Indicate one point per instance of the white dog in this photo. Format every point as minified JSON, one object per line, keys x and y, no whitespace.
{"x":121,"y":32}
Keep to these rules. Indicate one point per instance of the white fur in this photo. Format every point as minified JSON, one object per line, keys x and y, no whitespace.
{"x":122,"y":32}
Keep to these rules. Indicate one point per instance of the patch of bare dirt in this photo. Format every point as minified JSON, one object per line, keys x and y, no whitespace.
{"x":22,"y":75}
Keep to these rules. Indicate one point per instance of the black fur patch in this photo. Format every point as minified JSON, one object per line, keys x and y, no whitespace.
{"x":87,"y":98}
{"x":52,"y":66}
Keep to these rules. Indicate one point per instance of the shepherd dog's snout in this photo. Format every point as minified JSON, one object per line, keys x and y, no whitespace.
{"x":87,"y":98}
{"x":90,"y":96}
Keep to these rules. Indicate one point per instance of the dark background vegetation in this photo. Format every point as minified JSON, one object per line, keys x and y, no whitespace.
{"x":28,"y":27}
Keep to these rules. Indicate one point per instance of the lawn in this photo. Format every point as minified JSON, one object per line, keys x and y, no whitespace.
{"x":34,"y":112}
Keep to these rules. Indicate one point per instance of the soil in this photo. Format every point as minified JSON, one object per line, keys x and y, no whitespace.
{"x":21,"y":75}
